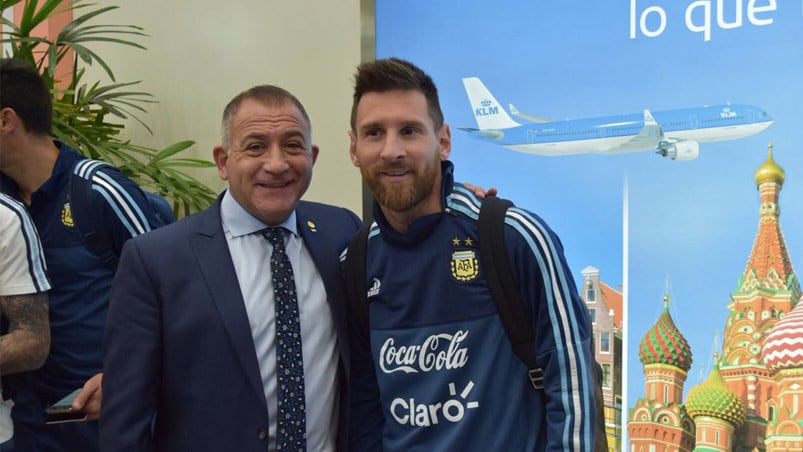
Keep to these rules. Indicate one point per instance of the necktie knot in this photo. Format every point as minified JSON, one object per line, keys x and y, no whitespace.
{"x":275,"y":236}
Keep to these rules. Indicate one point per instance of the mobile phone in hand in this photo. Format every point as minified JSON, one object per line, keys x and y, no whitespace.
{"x":62,"y":411}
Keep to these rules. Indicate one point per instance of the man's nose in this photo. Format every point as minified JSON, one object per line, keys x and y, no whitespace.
{"x":393,"y":147}
{"x":275,"y":160}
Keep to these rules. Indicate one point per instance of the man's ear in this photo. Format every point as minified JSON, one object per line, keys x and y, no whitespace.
{"x":445,"y":141}
{"x":8,"y":120}
{"x":220,"y":155}
{"x":315,"y":151}
{"x":353,"y":149}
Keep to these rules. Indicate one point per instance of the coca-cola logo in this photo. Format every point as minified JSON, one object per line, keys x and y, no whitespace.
{"x":438,"y":351}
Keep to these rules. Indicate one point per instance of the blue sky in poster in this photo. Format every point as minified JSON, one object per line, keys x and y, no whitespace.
{"x":693,"y":220}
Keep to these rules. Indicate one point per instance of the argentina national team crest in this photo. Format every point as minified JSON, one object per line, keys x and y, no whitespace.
{"x":66,"y":216}
{"x":465,"y":266}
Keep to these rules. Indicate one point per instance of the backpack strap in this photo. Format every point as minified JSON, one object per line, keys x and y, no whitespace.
{"x":513,"y":311}
{"x":355,"y":273}
{"x":504,"y":288}
{"x":79,"y":195}
{"x":161,"y":209}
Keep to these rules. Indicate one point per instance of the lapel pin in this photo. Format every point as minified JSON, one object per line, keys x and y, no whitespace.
{"x":311,"y":226}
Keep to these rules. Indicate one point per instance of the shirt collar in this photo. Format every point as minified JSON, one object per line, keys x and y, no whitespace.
{"x":239,"y":222}
{"x":62,"y":168}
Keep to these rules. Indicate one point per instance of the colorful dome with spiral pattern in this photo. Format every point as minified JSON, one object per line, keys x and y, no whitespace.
{"x":663,"y":343}
{"x":783,"y":347}
{"x":713,"y":398}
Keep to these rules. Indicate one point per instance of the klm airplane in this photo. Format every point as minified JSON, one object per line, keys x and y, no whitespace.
{"x":673,"y":133}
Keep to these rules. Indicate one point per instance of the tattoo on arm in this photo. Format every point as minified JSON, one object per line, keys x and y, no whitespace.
{"x":27,"y":342}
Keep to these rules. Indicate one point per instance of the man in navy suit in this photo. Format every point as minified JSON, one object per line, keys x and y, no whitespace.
{"x":190,"y":345}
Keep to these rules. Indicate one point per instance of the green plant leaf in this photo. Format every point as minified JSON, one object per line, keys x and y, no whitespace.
{"x":81,"y":111}
{"x":170,"y":151}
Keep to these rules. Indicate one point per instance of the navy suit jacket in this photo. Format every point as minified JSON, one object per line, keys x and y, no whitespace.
{"x":180,"y":368}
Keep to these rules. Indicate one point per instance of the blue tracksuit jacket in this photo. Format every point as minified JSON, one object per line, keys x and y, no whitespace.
{"x":440,"y":373}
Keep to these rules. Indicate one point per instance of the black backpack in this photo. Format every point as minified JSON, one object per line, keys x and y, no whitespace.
{"x":85,"y":219}
{"x":502,"y":283}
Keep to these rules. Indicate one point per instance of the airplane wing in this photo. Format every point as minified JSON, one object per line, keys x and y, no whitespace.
{"x":491,"y":134}
{"x":650,"y":136}
{"x":515,"y":112}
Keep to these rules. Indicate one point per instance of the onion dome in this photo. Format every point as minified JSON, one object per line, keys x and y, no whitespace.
{"x":713,"y":398}
{"x":663,"y":343}
{"x":783,"y":347}
{"x":769,"y":171}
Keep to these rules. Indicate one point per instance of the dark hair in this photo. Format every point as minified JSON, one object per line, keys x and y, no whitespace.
{"x":23,"y":90}
{"x":395,"y":74}
{"x":268,"y":95}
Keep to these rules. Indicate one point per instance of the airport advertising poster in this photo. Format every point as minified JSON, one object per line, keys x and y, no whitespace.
{"x":652,"y":224}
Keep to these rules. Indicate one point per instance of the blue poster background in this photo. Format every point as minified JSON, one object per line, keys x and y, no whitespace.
{"x":691,"y":224}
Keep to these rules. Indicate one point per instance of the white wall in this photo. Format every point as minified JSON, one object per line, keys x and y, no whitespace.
{"x":202,"y":53}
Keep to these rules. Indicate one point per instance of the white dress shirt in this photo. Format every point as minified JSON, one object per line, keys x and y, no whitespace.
{"x":250,"y":252}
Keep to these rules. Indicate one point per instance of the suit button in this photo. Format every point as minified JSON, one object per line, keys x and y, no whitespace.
{"x":262,"y":433}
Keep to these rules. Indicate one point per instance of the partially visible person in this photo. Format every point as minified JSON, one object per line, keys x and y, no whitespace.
{"x":198,"y":323}
{"x":35,"y":170}
{"x":437,"y":370}
{"x":25,"y":332}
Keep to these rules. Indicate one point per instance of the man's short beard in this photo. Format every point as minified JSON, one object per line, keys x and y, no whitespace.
{"x":402,"y":196}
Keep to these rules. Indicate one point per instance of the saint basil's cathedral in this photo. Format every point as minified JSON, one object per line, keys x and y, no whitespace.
{"x":753,"y":397}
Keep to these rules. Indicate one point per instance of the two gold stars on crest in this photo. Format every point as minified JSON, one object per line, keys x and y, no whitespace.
{"x":457,"y":242}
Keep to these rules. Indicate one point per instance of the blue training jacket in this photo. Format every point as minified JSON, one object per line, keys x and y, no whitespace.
{"x":440,"y":373}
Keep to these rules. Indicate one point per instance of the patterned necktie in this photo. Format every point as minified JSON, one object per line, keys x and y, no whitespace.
{"x":291,"y":423}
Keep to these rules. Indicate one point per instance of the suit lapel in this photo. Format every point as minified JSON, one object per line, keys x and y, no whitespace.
{"x":214,"y":260}
{"x":322,"y":250}
{"x":322,"y":247}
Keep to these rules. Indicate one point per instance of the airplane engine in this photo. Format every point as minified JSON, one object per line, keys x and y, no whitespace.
{"x":682,"y":150}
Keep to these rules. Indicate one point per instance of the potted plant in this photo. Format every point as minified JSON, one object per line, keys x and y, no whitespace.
{"x":87,"y":114}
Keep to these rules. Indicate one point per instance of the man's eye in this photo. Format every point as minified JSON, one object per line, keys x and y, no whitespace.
{"x":409,"y":131}
{"x":372,"y":133}
{"x":254,"y":149}
{"x":294,"y":146}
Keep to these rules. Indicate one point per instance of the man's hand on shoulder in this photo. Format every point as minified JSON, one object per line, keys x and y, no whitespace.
{"x":480,"y":192}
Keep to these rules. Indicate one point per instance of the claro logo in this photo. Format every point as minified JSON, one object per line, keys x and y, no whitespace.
{"x":439,"y":351}
{"x":415,"y":413}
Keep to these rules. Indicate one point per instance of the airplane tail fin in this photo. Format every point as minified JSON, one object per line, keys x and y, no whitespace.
{"x":487,"y":110}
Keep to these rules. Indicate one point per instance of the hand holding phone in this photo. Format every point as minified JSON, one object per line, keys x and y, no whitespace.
{"x":62,"y":411}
